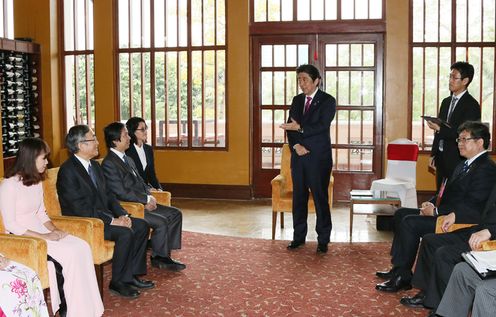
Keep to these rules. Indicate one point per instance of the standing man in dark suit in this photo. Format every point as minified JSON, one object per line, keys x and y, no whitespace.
{"x":462,"y":200}
{"x":307,"y":128}
{"x":455,"y":109}
{"x":142,"y":153}
{"x":124,"y":181}
{"x":83,"y":192}
{"x":439,"y":253}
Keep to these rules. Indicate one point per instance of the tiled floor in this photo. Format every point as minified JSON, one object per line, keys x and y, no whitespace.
{"x":253,"y":218}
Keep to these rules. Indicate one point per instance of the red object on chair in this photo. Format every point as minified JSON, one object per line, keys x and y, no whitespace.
{"x":401,"y":174}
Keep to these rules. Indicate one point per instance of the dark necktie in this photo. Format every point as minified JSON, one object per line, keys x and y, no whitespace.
{"x":307,"y":104}
{"x":451,"y":108}
{"x":126,"y":161}
{"x":465,"y":167}
{"x":92,"y":175}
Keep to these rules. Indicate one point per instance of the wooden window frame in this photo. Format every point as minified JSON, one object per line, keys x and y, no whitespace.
{"x":88,"y":54}
{"x":453,"y":45}
{"x":189,"y":49}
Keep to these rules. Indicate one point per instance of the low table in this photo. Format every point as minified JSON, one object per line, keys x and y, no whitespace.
{"x":368,"y":205}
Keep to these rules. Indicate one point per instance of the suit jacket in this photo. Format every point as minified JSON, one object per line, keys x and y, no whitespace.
{"x":315,"y":124}
{"x":467,"y":109}
{"x":124,"y":180}
{"x":487,"y":220}
{"x":467,"y":193}
{"x":78,"y":196}
{"x":147,"y":174}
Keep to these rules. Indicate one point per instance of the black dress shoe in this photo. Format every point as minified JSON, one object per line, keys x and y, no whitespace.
{"x":416,"y":301}
{"x":385,"y":275}
{"x":295,"y":244}
{"x":123,"y":289}
{"x":167,"y":263}
{"x":141,"y":284}
{"x":396,"y":283}
{"x":322,"y":248}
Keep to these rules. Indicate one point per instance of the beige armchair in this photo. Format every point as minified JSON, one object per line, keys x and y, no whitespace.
{"x":29,"y":251}
{"x":282,"y":191}
{"x":88,"y":229}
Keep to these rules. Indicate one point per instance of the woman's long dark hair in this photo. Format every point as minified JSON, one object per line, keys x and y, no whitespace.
{"x":131,"y":125}
{"x":25,"y":162}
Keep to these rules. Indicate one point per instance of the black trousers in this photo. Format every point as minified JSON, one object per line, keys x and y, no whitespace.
{"x":129,"y":251}
{"x":438,"y":255}
{"x":412,"y":227}
{"x":167,"y":224}
{"x":307,"y":175}
{"x":60,"y":285}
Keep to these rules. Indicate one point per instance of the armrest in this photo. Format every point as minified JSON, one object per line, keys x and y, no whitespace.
{"x":29,"y":251}
{"x":163,"y":198}
{"x":453,"y":227}
{"x":88,"y":229}
{"x":137,"y":210}
{"x":277,"y":185}
{"x":489,"y":245}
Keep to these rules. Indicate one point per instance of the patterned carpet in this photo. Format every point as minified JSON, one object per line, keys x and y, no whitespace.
{"x":229,"y":276}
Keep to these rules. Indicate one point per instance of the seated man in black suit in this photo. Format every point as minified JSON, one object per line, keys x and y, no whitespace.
{"x":83,"y":192}
{"x":464,"y":195}
{"x":124,"y":181}
{"x":439,"y":253}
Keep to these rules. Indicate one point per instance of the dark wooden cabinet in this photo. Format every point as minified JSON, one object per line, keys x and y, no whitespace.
{"x":20,"y":95}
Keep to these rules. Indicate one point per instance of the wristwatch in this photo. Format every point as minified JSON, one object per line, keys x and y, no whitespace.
{"x":300,"y":130}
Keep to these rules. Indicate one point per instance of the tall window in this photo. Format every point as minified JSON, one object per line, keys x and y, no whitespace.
{"x":172,"y":69}
{"x":312,"y":10}
{"x":445,"y":31}
{"x":7,"y":19}
{"x":78,"y":62}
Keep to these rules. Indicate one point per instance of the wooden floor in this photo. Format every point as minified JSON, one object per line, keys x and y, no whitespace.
{"x":253,"y":219}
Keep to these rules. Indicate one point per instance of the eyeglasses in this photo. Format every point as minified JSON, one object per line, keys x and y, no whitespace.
{"x":89,"y":140}
{"x":143,"y":129}
{"x":464,"y":140}
{"x":455,"y":78}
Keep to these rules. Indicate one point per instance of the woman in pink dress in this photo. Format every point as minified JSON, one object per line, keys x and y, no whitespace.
{"x":23,"y":212}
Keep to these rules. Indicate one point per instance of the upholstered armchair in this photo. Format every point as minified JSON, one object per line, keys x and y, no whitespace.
{"x":282,"y":190}
{"x":486,"y":246}
{"x":138,"y":209}
{"x":29,"y":251}
{"x":88,"y":229}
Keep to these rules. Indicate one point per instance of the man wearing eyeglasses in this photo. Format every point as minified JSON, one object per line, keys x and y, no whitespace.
{"x":83,"y":192}
{"x":439,"y":253}
{"x":455,"y":109}
{"x":461,"y":200}
{"x":127,"y":185}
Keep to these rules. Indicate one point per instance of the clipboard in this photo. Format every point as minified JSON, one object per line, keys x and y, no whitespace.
{"x":436,"y":120}
{"x":479,"y":268}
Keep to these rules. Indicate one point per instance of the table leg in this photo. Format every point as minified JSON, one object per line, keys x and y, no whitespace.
{"x":351,"y":221}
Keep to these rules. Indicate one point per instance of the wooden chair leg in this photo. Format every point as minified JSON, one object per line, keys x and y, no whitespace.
{"x":282,"y":220}
{"x":99,"y":278}
{"x":274,"y":220}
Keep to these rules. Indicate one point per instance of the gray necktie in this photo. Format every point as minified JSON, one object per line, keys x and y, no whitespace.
{"x":451,"y":108}
{"x":126,"y":161}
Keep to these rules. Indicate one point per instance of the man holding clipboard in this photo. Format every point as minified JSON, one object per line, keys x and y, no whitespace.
{"x":455,"y":109}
